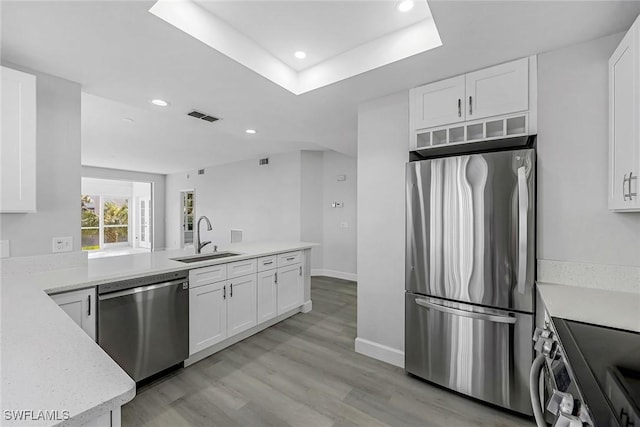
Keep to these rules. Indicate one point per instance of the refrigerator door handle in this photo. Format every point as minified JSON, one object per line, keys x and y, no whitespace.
{"x":472,"y":314}
{"x":523,"y":208}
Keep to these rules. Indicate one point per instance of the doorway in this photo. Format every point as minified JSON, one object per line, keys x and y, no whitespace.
{"x":116,"y":217}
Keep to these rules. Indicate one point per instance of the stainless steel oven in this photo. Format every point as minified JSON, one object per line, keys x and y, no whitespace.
{"x":143,"y":323}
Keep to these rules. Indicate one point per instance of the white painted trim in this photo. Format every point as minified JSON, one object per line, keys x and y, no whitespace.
{"x":333,"y":273}
{"x":381,"y":352}
{"x":306,"y":307}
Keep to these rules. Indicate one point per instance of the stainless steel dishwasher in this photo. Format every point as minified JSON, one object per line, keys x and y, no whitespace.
{"x":143,"y":323}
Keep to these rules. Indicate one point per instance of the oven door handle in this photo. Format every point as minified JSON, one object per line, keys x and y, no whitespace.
{"x":464,"y":313}
{"x":140,"y":289}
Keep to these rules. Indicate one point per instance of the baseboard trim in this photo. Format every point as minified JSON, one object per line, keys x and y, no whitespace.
{"x":333,"y":273}
{"x":380,"y":352}
{"x":306,"y":307}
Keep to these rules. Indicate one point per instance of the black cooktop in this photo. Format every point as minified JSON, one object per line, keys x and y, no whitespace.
{"x":606,"y":365}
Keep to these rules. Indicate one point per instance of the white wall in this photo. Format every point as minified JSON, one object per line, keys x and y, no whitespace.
{"x":311,"y":202}
{"x":574,"y":223}
{"x":263,"y":201}
{"x":383,"y":150}
{"x":58,"y":171}
{"x":158,"y":192}
{"x":339,"y":242}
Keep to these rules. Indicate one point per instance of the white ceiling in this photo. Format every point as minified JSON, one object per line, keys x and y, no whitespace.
{"x":124,"y":56}
{"x":322,"y":29}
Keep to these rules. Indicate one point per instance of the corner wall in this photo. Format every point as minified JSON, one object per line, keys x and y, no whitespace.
{"x":383,"y":150}
{"x":58,"y":171}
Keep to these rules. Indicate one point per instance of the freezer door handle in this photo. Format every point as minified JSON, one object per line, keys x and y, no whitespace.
{"x":472,"y":314}
{"x":523,"y":208}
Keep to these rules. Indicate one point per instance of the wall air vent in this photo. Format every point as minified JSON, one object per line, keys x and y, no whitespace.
{"x":200,"y":171}
{"x":202,"y":116}
{"x":263,"y":162}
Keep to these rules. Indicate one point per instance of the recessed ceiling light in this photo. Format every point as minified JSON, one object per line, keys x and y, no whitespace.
{"x":405,"y":5}
{"x":300,"y":54}
{"x":159,"y":102}
{"x":251,"y":131}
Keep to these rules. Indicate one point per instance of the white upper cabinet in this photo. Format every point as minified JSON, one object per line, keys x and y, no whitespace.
{"x":438,"y":103}
{"x":624,"y":123}
{"x":17,"y":141}
{"x":498,"y":90}
{"x":496,"y":102}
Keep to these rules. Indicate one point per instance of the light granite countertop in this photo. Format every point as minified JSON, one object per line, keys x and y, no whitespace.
{"x":48,"y":363}
{"x":597,"y":306}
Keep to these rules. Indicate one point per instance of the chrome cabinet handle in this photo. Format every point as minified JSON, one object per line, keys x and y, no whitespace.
{"x":464,"y":313}
{"x":140,"y":289}
{"x":267,"y":263}
{"x":624,"y":194}
{"x":89,"y":305}
{"x":459,"y":107}
{"x":275,"y":279}
{"x":231,"y":292}
{"x":224,"y":292}
{"x":632,"y":178}
{"x":470,"y":105}
{"x":300,"y":270}
{"x":291,"y":259}
{"x":523,"y":209}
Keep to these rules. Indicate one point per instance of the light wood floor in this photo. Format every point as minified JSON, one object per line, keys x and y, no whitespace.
{"x":304,"y":372}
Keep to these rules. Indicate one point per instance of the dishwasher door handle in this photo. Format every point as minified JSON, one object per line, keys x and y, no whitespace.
{"x":140,"y":289}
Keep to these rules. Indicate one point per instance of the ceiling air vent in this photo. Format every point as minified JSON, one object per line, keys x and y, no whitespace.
{"x":202,"y":116}
{"x":263,"y":162}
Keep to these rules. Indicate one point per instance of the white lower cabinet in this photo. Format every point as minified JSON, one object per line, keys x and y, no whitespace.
{"x":207,"y":316}
{"x":81,"y":307}
{"x":290,"y":287}
{"x":267,"y":295}
{"x":241,"y":304}
{"x":254,"y":292}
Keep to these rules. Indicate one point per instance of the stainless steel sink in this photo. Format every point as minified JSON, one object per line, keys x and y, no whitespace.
{"x":205,"y":257}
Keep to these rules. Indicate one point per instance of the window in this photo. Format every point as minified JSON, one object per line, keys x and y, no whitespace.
{"x":104,"y":221}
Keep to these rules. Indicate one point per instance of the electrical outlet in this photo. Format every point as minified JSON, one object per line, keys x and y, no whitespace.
{"x":62,"y":244}
{"x":344,"y":225}
{"x":337,"y":204}
{"x":5,"y":249}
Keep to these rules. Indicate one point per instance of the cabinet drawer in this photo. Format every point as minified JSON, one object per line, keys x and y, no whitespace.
{"x":267,"y":263}
{"x":241,"y":268}
{"x":207,"y":275}
{"x":289,"y":258}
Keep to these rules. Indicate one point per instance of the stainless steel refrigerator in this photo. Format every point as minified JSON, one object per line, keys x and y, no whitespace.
{"x":470,"y":265}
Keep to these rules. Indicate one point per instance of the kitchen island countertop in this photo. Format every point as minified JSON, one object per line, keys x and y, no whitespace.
{"x":48,"y":363}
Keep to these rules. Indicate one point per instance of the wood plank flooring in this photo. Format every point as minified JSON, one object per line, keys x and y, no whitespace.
{"x":304,"y":372}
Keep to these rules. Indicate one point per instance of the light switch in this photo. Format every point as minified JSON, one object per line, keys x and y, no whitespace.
{"x":337,"y":204}
{"x":341,"y":178}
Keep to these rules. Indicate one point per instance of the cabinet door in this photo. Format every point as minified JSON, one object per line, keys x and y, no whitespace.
{"x":267,"y":295}
{"x":241,"y":304}
{"x":437,"y":103}
{"x":290,"y":288}
{"x":18,"y":142}
{"x":207,"y":316}
{"x":81,"y":307}
{"x":624,"y":140}
{"x":498,"y":90}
